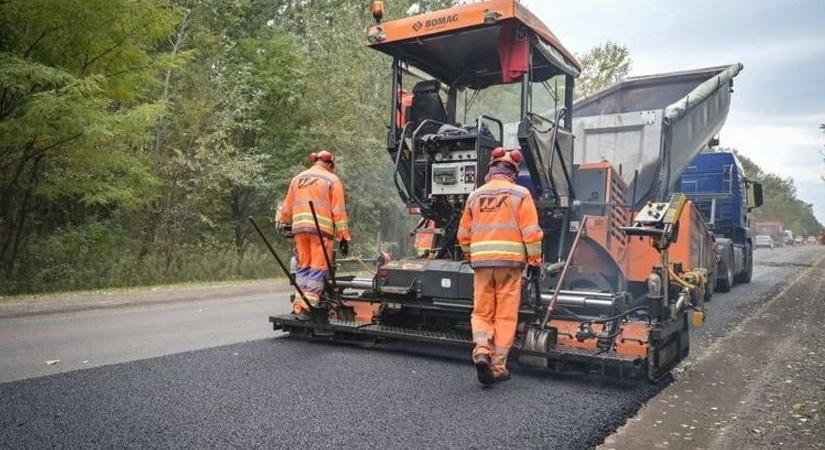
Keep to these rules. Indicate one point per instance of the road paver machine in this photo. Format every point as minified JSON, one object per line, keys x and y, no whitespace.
{"x":612,"y":298}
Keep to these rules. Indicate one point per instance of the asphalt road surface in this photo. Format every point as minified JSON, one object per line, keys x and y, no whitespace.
{"x":173,"y":321}
{"x":276,"y":391}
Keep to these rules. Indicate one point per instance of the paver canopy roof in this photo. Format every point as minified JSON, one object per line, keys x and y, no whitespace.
{"x":464,"y":46}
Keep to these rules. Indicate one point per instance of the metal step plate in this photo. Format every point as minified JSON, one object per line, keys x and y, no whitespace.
{"x":588,"y":353}
{"x":287,"y":322}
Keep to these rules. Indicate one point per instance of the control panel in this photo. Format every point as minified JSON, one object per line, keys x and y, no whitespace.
{"x":453,"y":178}
{"x":667,"y":213}
{"x":454,"y":173}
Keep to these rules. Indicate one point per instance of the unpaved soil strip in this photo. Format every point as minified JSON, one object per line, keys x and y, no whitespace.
{"x":760,"y":387}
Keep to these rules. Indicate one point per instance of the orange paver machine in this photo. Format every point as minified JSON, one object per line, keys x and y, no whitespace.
{"x":626,"y":258}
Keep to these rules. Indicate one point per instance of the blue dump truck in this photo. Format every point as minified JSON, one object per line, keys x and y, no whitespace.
{"x":717,"y":184}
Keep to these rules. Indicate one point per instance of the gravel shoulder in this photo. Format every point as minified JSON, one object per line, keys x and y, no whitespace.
{"x":761,"y":386}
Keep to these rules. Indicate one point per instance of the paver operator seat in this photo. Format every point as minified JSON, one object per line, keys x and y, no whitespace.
{"x":426,"y":103}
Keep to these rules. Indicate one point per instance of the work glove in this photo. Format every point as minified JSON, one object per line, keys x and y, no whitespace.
{"x":283,"y":229}
{"x":343,"y":246}
{"x":533,"y":273}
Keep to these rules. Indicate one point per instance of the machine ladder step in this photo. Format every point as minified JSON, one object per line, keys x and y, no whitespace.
{"x":289,"y":323}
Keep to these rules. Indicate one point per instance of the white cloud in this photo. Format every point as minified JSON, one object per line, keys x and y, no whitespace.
{"x":756,"y":56}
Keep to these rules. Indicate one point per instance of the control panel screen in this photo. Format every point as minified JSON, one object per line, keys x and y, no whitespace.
{"x":451,"y":178}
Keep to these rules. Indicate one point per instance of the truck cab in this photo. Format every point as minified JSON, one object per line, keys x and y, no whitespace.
{"x":717,"y":184}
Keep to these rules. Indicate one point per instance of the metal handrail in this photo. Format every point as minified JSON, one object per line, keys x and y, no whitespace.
{"x":404,"y":197}
{"x":411,"y":189}
{"x":500,"y":128}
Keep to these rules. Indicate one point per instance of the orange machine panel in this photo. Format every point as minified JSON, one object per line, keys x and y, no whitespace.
{"x":606,"y":229}
{"x":566,"y":332}
{"x":364,"y":312}
{"x":631,"y":341}
{"x":694,"y":248}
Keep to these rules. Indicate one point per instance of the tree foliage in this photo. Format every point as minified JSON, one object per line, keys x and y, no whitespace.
{"x":602,"y":66}
{"x":137,"y":136}
{"x":74,"y":115}
{"x":780,"y":200}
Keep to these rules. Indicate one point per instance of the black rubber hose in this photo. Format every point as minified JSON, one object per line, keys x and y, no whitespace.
{"x":606,"y":319}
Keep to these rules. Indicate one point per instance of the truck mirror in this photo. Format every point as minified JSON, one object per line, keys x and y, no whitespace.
{"x":754,"y":195}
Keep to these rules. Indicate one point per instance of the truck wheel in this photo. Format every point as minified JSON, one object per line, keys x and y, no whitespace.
{"x":745,"y":277}
{"x":724,"y":284}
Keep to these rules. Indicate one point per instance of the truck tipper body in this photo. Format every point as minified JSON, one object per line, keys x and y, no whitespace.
{"x":650,"y":128}
{"x":717,"y":184}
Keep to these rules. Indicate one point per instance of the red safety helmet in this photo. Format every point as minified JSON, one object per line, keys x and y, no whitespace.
{"x":511,"y":157}
{"x":323,"y":155}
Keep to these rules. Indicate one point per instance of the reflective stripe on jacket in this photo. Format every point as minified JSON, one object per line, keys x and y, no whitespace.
{"x":325,"y":190}
{"x":499,"y":227}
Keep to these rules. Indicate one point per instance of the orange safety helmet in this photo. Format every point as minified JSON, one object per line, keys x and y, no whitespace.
{"x":511,"y":157}
{"x":324,"y":156}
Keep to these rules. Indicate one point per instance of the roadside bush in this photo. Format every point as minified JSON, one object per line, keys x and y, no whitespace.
{"x":100,"y":255}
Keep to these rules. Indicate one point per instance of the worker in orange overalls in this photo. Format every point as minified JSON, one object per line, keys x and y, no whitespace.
{"x":320,"y":185}
{"x":499,"y":233}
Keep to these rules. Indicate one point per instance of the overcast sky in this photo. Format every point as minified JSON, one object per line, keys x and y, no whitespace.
{"x":779,"y":98}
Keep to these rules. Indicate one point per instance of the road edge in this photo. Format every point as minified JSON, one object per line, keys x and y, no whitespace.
{"x":643,"y":417}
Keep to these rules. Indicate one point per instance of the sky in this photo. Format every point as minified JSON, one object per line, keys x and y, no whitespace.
{"x":779,"y":97}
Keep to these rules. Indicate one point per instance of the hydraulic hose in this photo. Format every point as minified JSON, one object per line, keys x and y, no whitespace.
{"x":678,"y":280}
{"x":606,"y":319}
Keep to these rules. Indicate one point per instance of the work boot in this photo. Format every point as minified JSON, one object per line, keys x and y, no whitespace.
{"x":321,"y":316}
{"x":484,"y":369}
{"x":503,"y":376}
{"x":303,"y":316}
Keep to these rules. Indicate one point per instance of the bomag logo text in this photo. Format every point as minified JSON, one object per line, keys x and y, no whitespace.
{"x":437,"y":22}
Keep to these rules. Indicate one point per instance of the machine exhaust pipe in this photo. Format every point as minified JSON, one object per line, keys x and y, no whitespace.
{"x":356,"y":283}
{"x":577,"y":301}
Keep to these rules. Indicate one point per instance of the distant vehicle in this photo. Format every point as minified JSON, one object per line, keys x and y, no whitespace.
{"x":787,"y":237}
{"x":798,"y":240}
{"x":772,"y":228}
{"x":763,"y":240}
{"x":811,"y":240}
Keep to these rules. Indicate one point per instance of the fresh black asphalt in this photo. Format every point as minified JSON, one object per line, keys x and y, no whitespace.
{"x":281,"y":392}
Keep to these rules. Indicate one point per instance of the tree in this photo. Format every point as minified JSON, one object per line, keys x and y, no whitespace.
{"x":73,"y":116}
{"x":236,"y":115}
{"x":602,"y":66}
{"x":780,"y":200}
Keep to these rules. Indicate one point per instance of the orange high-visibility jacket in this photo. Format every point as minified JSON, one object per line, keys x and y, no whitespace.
{"x":326,"y":192}
{"x":499,"y":227}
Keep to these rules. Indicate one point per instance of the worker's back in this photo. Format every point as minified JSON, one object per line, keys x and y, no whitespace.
{"x":319,"y":186}
{"x":502,"y":216}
